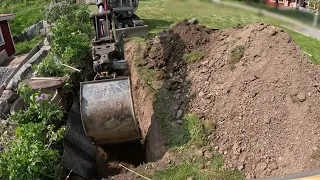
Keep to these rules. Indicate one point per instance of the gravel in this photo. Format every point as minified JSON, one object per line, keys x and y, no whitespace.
{"x":4,"y":73}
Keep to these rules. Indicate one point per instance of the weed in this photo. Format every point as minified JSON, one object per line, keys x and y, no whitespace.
{"x":196,"y":129}
{"x":49,"y":68}
{"x":236,"y":54}
{"x":193,"y":56}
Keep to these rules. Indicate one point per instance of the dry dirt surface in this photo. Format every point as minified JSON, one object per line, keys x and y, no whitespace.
{"x":265,"y":104}
{"x":265,"y":107}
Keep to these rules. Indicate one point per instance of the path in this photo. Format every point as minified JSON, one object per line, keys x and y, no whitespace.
{"x":294,"y":25}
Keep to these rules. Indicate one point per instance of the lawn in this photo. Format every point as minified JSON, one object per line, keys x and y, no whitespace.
{"x":27,"y":13}
{"x":26,"y":46}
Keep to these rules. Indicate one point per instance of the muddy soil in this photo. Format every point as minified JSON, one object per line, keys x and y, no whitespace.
{"x":264,"y":100}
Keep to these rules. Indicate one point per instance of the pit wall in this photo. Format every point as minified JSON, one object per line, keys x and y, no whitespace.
{"x":143,"y":105}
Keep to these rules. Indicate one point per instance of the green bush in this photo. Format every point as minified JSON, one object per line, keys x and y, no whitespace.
{"x":40,"y":109}
{"x":50,"y":68}
{"x":76,"y":15}
{"x":71,"y":35}
{"x":70,"y":44}
{"x":31,"y":154}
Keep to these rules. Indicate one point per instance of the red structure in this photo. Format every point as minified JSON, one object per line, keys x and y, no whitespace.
{"x":287,"y":3}
{"x":7,"y":48}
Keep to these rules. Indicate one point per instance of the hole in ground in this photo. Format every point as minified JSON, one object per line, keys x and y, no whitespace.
{"x":130,"y":154}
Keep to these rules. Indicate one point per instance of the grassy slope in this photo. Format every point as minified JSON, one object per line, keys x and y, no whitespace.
{"x":26,"y":46}
{"x":27,"y":14}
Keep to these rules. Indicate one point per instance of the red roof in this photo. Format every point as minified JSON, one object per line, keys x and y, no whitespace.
{"x":4,"y":17}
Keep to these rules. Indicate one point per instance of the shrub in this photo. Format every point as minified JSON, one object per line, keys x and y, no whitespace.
{"x":75,"y":14}
{"x":50,"y":68}
{"x":40,"y":109}
{"x":70,"y":44}
{"x":29,"y":156}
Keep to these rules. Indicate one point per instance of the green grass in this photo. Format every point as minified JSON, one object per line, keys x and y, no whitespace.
{"x":26,"y":46}
{"x":193,"y":56}
{"x":27,"y":14}
{"x":160,"y":14}
{"x":208,"y":169}
{"x":307,"y":44}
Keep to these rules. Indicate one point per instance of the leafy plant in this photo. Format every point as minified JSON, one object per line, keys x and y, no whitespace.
{"x":74,"y":14}
{"x":40,"y":109}
{"x":50,"y":68}
{"x":30,"y":156}
{"x":70,"y":43}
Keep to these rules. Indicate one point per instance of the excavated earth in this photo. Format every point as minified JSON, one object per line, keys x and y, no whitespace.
{"x":265,"y":105}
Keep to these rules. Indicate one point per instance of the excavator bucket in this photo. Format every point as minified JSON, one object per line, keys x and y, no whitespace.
{"x":107,"y":112}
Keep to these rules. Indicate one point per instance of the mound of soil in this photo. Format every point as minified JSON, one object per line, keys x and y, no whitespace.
{"x":253,"y":82}
{"x":265,"y":105}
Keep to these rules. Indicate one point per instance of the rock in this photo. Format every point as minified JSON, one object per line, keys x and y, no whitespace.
{"x":201,"y":94}
{"x":273,"y":166}
{"x":199,"y":153}
{"x":9,"y":86}
{"x":201,"y":166}
{"x":179,"y":114}
{"x":272,"y":32}
{"x":193,"y":21}
{"x":1,"y":89}
{"x":9,"y":96}
{"x":190,"y":178}
{"x":240,"y":167}
{"x":205,"y":77}
{"x":208,"y":154}
{"x":301,"y":96}
{"x":4,"y":109}
{"x":267,"y":120}
{"x":179,"y":121}
{"x":204,"y":69}
{"x":204,"y":62}
{"x":263,"y":166}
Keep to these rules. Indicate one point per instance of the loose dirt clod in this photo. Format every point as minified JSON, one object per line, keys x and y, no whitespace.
{"x":261,"y":129}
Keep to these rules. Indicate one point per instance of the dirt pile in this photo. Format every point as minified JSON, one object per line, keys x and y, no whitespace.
{"x":254,"y":83}
{"x":264,"y":104}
